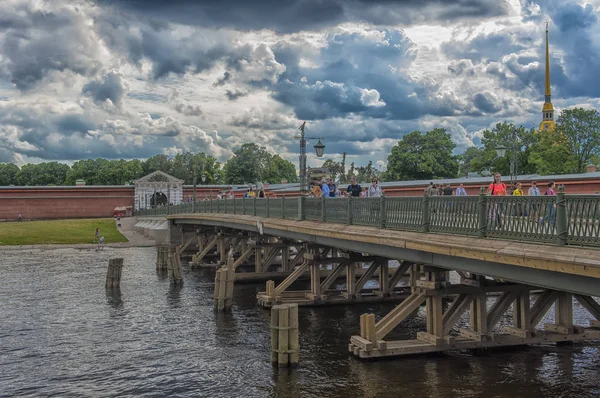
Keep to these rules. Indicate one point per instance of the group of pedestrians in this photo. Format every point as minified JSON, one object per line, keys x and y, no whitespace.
{"x":329,"y":189}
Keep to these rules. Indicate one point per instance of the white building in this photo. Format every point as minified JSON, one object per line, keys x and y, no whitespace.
{"x":157,"y":188}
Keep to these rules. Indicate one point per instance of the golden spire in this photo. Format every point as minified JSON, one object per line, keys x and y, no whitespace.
{"x":547,"y":67}
{"x":547,"y":110}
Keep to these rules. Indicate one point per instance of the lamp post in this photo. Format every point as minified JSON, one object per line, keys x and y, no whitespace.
{"x":319,"y":149}
{"x":512,"y":152}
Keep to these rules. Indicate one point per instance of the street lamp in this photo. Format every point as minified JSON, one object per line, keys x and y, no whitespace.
{"x":319,"y":149}
{"x":501,"y":151}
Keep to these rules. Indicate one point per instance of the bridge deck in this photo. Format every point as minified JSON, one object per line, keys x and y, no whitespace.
{"x":536,"y":264}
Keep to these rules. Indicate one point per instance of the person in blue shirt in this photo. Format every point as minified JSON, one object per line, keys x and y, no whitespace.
{"x":324,"y":188}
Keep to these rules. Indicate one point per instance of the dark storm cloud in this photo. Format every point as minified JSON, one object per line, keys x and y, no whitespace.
{"x":356,"y":77}
{"x":297,"y":15}
{"x":487,"y":102}
{"x":110,"y":86}
{"x":35,"y":44}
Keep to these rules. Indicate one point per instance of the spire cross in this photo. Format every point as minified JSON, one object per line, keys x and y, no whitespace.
{"x":547,"y":22}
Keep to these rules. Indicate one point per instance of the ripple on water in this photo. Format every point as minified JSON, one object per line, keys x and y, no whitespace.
{"x":62,"y":334}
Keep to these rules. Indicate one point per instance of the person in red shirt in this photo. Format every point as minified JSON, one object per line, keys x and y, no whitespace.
{"x":497,"y":188}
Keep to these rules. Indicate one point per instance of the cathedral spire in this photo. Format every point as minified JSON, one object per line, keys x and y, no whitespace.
{"x":548,"y":93}
{"x":547,"y":110}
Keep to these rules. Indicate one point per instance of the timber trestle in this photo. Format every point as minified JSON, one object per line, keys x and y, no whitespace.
{"x":473,"y":296}
{"x":344,"y":283}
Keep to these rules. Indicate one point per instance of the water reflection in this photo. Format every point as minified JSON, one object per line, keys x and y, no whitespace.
{"x":114,"y":298}
{"x":174,"y":295}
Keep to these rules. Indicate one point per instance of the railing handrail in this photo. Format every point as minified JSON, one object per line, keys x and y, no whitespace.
{"x":561,"y":219}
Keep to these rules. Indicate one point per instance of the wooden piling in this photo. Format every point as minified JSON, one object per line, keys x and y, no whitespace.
{"x":113,"y":273}
{"x":162,"y":257}
{"x":174,"y":268}
{"x":224,"y":280}
{"x":284,"y":335}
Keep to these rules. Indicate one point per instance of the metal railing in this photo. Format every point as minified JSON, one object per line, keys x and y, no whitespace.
{"x":562,"y":219}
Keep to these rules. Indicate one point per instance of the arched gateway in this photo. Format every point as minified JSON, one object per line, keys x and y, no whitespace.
{"x":157,"y":189}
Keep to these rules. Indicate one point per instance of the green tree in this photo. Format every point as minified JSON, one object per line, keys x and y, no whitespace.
{"x":505,"y":134}
{"x":252,"y":163}
{"x":466,"y":158}
{"x":87,"y":170}
{"x":335,"y":168}
{"x":367,"y":173}
{"x":8,"y":171}
{"x":157,"y":162}
{"x":573,"y":144}
{"x":422,"y":157}
{"x":48,"y":173}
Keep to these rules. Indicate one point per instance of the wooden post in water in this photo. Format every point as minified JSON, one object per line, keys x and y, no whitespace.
{"x":162,"y":257}
{"x":284,"y":335}
{"x":224,"y":280}
{"x":174,"y":268}
{"x":113,"y":273}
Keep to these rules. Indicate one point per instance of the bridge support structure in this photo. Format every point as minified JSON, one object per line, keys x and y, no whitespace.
{"x":443,"y":333}
{"x":346,"y":266}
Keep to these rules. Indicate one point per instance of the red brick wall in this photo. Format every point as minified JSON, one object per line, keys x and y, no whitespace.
{"x":63,"y":202}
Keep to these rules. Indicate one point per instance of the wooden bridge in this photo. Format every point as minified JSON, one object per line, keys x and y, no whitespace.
{"x":501,"y":248}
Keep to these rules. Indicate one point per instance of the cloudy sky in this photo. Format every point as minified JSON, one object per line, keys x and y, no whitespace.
{"x":133,"y":78}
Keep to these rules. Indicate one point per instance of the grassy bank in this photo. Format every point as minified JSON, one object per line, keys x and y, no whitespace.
{"x":59,"y":231}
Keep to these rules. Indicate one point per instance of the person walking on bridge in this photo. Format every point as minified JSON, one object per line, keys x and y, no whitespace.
{"x":496,"y":188}
{"x":533,"y":208}
{"x":374,"y":189}
{"x":324,"y":188}
{"x":354,"y":188}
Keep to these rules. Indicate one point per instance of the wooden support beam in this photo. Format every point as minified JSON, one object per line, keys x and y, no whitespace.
{"x":209,"y":246}
{"x":435,"y":325}
{"x":351,"y":280}
{"x":315,"y":282}
{"x":367,"y":275}
{"x":285,"y":258}
{"x":337,"y":271}
{"x":398,"y":314}
{"x":563,"y":314}
{"x":384,"y":278}
{"x":269,"y":258}
{"x":291,"y":279}
{"x":522,"y":312}
{"x":244,"y":256}
{"x":589,"y":304}
{"x":455,"y":311}
{"x":499,"y":308}
{"x":398,"y":274}
{"x":541,"y":306}
{"x":187,"y":243}
{"x":478,"y":317}
{"x":298,"y":258}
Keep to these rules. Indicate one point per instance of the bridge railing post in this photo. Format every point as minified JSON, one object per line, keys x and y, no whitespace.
{"x":301,"y":214}
{"x":482,"y":214}
{"x":283,"y":207}
{"x":382,"y":213}
{"x":244,"y":205}
{"x":323,"y":218}
{"x":350,"y":210}
{"x":254,"y":206}
{"x":234,"y":209}
{"x":425,"y":211}
{"x":561,"y":217}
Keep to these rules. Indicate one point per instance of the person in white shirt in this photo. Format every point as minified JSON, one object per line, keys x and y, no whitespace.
{"x":374,"y":189}
{"x":533,"y":208}
{"x":460,"y":191}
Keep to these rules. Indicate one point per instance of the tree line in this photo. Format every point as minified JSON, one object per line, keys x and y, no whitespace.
{"x":249,"y":164}
{"x":569,"y":148}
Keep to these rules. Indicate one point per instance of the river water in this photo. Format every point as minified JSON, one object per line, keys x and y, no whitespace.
{"x":62,"y":335}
